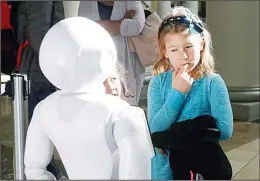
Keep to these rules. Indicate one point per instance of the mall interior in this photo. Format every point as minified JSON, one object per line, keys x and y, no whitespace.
{"x":234,"y":26}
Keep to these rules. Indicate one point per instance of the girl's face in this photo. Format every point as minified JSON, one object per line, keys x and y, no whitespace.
{"x":113,"y":85}
{"x":183,"y":49}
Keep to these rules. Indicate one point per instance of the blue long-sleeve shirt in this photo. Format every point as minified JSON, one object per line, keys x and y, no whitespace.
{"x":207,"y":96}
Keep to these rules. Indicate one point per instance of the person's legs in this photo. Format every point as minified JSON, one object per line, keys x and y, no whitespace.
{"x":39,"y":91}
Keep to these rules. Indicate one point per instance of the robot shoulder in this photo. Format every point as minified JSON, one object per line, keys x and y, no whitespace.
{"x":130,"y":122}
{"x":45,"y":107}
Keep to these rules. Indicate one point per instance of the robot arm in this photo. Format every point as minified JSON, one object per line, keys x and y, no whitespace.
{"x":134,"y":143}
{"x":38,"y":151}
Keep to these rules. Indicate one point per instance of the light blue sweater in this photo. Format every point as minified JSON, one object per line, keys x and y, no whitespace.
{"x":207,"y":96}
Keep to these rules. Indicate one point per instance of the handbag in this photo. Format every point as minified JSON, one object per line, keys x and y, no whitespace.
{"x":146,"y":43}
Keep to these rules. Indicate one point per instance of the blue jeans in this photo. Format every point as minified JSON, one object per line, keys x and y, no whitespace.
{"x":39,"y":91}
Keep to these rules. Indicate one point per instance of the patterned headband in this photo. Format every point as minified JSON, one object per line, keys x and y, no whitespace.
{"x":194,"y":27}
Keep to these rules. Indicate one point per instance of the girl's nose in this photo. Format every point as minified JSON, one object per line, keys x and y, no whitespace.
{"x":184,"y":55}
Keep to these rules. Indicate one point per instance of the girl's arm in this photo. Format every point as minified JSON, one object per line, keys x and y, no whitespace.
{"x":162,"y":114}
{"x":220,"y":107}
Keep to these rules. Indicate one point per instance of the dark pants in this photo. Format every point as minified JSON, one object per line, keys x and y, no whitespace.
{"x":39,"y":91}
{"x":208,"y":160}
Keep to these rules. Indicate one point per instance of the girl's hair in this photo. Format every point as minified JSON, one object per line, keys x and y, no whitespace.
{"x":122,"y":73}
{"x":206,"y":63}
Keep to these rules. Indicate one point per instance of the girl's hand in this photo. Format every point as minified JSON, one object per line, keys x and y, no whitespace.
{"x":162,"y":151}
{"x":181,"y":80}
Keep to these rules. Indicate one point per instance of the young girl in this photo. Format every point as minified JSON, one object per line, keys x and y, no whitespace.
{"x":185,"y":85}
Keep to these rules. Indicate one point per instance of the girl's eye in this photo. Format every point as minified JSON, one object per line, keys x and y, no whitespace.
{"x":174,"y":50}
{"x":189,"y":46}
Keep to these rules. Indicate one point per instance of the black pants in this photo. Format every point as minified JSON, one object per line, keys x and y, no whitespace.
{"x":208,"y":159}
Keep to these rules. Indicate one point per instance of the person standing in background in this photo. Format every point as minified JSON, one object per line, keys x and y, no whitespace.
{"x":111,"y":15}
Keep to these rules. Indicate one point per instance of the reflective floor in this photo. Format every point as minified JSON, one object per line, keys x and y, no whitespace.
{"x":242,"y":149}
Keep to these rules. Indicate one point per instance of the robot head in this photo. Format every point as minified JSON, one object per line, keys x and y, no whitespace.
{"x":77,"y":55}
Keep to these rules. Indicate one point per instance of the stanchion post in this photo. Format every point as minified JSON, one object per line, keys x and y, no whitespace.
{"x":18,"y":90}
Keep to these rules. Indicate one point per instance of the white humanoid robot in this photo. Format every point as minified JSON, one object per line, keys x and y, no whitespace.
{"x":91,"y":130}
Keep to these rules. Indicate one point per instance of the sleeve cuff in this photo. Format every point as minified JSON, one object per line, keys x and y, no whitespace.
{"x":175,"y":100}
{"x":122,"y":27}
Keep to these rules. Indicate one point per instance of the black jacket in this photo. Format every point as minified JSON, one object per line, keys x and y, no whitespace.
{"x":187,"y":134}
{"x":193,"y":145}
{"x":31,"y":20}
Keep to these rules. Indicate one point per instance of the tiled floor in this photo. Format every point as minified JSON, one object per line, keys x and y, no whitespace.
{"x":243,"y":150}
{"x":245,"y":161}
